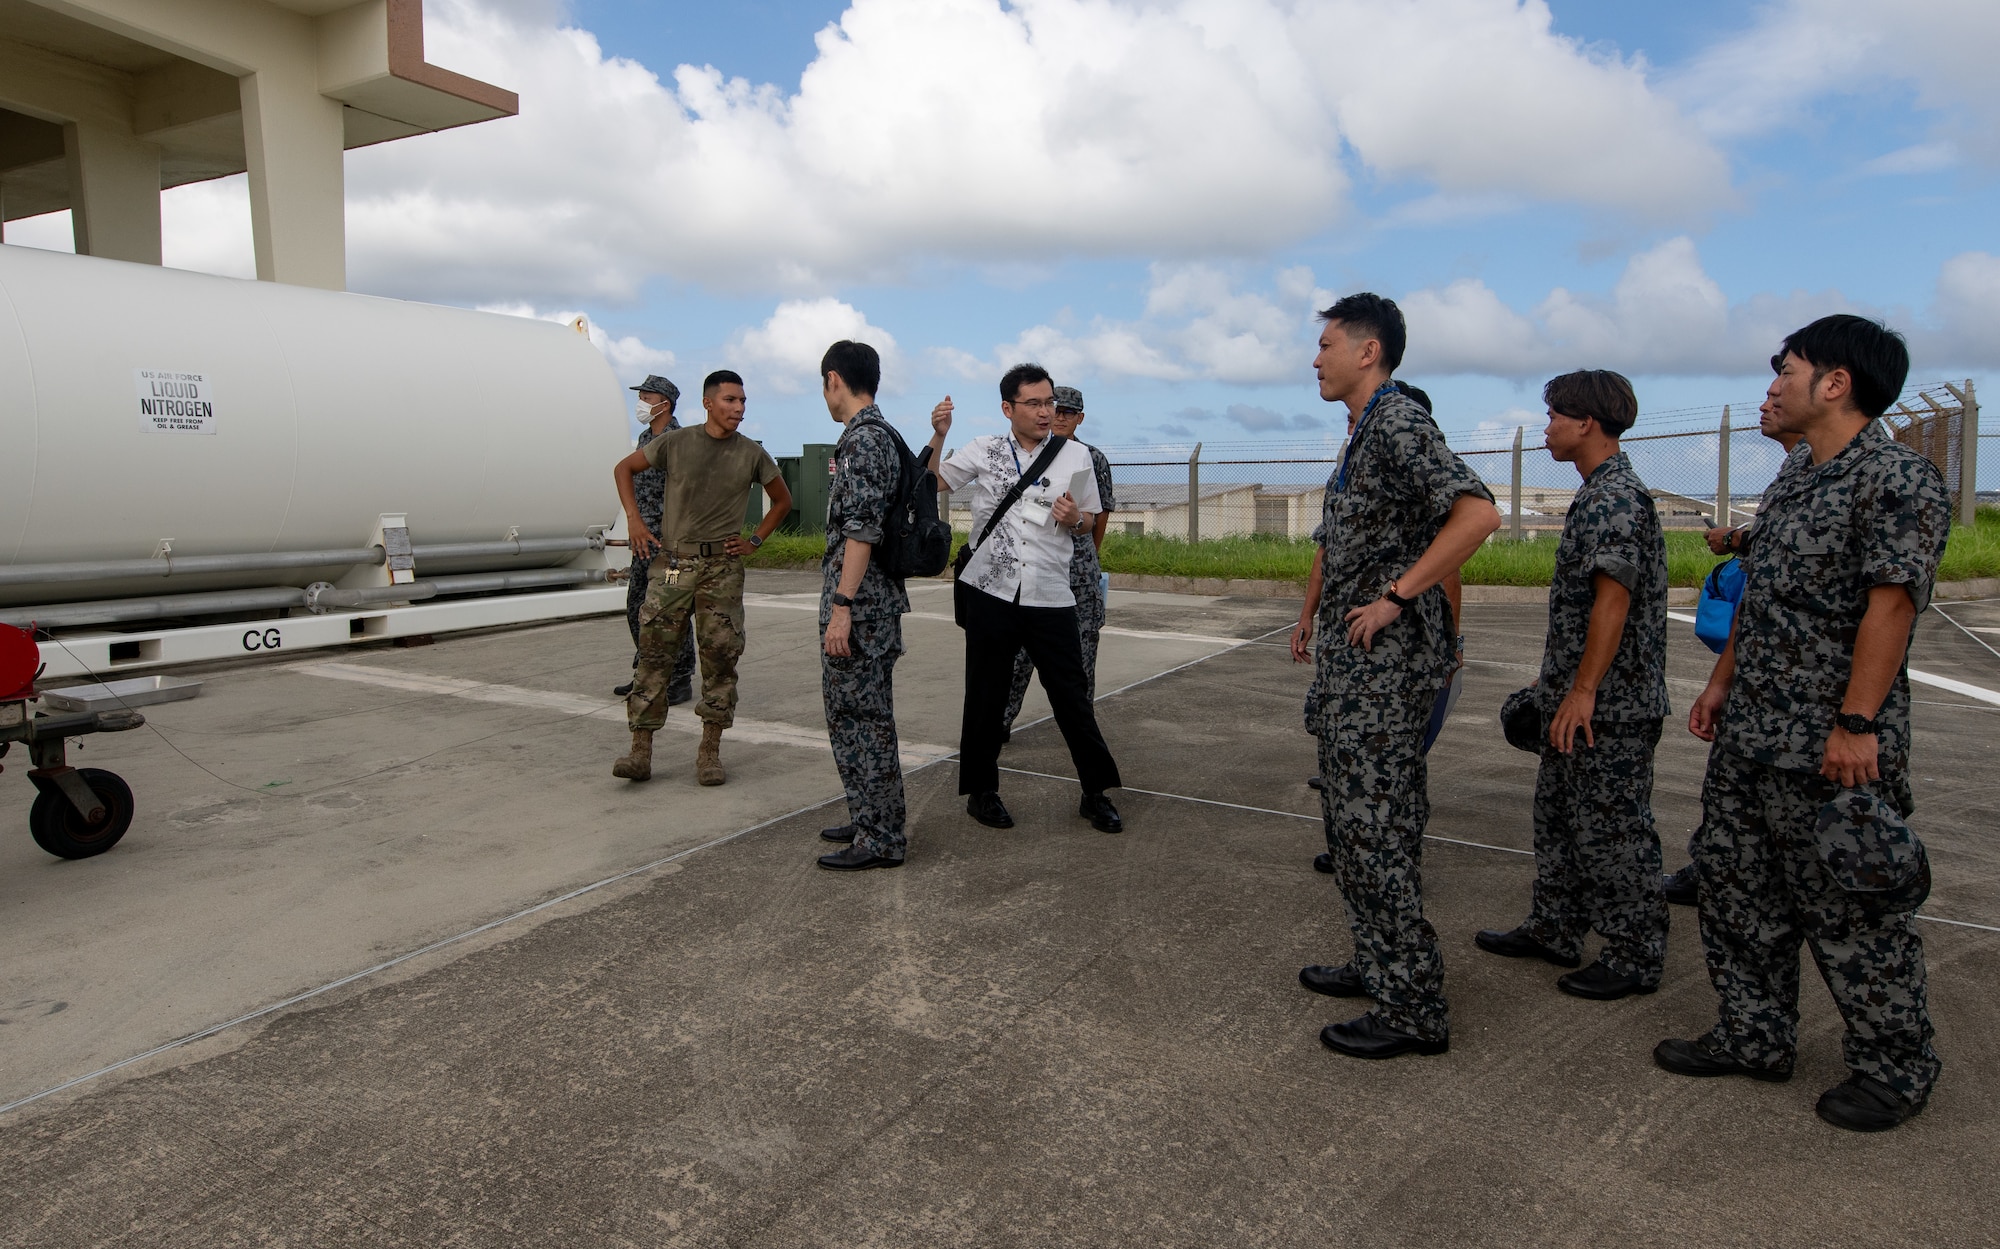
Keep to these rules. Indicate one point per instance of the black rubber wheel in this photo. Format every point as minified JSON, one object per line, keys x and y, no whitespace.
{"x":63,"y":832}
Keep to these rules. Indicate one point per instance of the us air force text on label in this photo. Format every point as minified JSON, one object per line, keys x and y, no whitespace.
{"x":173,"y":402}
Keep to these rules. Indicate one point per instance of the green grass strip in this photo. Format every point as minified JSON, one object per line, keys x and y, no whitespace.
{"x":1971,"y":552}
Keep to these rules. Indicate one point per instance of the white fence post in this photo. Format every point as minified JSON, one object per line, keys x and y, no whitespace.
{"x":1514,"y":496}
{"x":1721,"y":512}
{"x":1194,"y":495}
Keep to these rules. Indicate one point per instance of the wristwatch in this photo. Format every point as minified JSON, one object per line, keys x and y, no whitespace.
{"x":1859,"y":725}
{"x":839,"y":600}
{"x":755,"y":542}
{"x":1389,"y":592}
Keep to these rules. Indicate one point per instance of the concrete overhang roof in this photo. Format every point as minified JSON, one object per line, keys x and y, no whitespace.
{"x":126,"y":64}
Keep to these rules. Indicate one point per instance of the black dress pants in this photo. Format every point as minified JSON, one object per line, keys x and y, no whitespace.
{"x":995,"y":630}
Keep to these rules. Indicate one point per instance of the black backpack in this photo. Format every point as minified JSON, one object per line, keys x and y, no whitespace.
{"x":915,"y":542}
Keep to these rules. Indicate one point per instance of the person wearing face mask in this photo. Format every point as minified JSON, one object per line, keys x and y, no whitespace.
{"x":657,"y":399}
{"x":1085,"y":576}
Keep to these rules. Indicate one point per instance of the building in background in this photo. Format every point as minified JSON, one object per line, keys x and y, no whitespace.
{"x":104,"y":103}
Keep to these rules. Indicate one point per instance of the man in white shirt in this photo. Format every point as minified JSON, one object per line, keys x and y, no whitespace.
{"x":1015,"y":595}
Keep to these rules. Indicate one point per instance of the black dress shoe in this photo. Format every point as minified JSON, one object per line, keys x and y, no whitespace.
{"x":622,"y":691}
{"x":1102,"y":815}
{"x":855,"y":859}
{"x":1680,"y":887}
{"x":1516,"y":943}
{"x":1865,"y":1104}
{"x":1369,"y":1037}
{"x":1696,"y":1058}
{"x":1313,"y":782}
{"x":1600,"y":984}
{"x":676,"y":697}
{"x":989,"y":810}
{"x":845,"y":833}
{"x":1341,"y":981}
{"x":1323,"y":862}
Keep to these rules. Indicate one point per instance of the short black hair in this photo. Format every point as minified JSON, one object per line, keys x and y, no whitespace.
{"x":721,"y":377}
{"x":1378,"y":318}
{"x":1021,"y":375}
{"x":1874,"y":355}
{"x":1596,"y":394}
{"x":857,"y":363}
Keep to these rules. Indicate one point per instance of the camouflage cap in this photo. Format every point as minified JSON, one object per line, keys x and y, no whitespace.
{"x":657,"y":385}
{"x":1069,"y":399}
{"x":1868,"y":849}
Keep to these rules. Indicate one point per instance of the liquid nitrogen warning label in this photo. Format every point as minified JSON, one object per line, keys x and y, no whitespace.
{"x":172,"y":402}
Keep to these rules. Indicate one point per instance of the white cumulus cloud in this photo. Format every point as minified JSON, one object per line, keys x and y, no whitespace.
{"x":786,"y":350}
{"x":978,"y":132}
{"x":1797,"y":52}
{"x":627,"y":354}
{"x":1198,"y":323}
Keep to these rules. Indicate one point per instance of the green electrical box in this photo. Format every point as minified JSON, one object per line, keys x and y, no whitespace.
{"x":809,"y":476}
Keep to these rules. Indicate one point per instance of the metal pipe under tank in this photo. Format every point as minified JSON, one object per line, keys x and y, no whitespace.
{"x":273,"y":561}
{"x":314,"y":598}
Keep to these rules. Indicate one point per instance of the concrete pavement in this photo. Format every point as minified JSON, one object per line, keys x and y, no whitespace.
{"x":1043,"y":1036}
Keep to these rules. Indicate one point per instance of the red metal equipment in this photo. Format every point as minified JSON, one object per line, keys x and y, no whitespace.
{"x":78,"y":812}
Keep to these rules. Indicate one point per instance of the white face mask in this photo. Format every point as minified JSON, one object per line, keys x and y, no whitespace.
{"x":647,"y":411}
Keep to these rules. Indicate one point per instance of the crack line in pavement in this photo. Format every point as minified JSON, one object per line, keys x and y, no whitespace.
{"x":1294,"y":815}
{"x":351,"y":977}
{"x":489,"y":925}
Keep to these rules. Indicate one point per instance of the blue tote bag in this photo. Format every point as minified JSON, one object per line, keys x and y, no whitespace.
{"x":1715,"y":612}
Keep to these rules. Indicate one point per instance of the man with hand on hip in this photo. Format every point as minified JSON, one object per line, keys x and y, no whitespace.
{"x":1402,"y":513}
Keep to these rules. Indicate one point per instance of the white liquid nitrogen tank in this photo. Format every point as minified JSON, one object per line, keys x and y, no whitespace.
{"x":232,"y":417}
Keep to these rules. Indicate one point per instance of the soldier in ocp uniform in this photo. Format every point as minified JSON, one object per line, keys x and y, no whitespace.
{"x":1086,"y":579}
{"x":1402,"y":513}
{"x":861,"y":616}
{"x":1808,"y":784}
{"x":658,"y":397}
{"x":697,"y":579}
{"x":1603,"y":695}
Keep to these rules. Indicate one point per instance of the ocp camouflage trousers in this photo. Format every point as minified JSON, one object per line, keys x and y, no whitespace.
{"x":1089,"y":623}
{"x":1763,"y":890}
{"x":859,"y":692}
{"x":707,"y":596}
{"x":1597,"y":854}
{"x":636,"y":584}
{"x":1375,"y":808}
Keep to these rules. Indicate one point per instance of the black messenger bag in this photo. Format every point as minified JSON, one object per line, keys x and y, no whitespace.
{"x":958,"y":587}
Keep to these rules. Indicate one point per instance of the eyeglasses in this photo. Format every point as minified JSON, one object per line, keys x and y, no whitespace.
{"x":1035,"y":405}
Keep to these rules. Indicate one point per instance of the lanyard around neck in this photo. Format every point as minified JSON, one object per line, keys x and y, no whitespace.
{"x":1354,"y":439}
{"x":1013,"y":449}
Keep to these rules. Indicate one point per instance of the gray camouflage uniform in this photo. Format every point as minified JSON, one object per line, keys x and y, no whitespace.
{"x":1374,"y":705}
{"x":858,"y":688}
{"x":1875,"y":514}
{"x":1087,"y":584}
{"x":649,"y":486}
{"x":1597,"y":854}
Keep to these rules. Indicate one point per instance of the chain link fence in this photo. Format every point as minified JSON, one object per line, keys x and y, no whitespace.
{"x":1705,"y":466}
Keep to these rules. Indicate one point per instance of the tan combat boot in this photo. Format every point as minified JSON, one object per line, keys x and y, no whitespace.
{"x":708,"y":761}
{"x":637,"y":766}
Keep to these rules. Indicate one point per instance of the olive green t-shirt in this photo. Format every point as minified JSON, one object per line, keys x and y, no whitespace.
{"x":708,"y":482}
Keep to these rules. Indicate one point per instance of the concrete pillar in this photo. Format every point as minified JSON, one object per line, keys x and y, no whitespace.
{"x":114,"y":193}
{"x":292,"y":137}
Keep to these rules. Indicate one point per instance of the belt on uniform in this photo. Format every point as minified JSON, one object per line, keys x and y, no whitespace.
{"x":700,"y":550}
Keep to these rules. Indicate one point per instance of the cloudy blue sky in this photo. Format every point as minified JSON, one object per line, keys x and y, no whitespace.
{"x":1152,"y":197}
